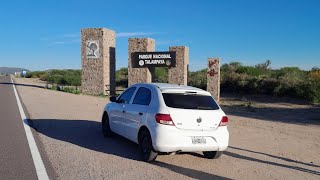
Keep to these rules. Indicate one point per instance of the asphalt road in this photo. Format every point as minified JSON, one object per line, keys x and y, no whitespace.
{"x":15,"y":156}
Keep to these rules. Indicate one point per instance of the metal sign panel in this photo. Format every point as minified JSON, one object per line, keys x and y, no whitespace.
{"x":153,"y":59}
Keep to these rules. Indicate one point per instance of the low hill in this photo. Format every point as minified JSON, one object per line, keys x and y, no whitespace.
{"x":11,"y":70}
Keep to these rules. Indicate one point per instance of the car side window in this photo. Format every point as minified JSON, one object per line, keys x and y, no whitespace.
{"x":143,"y":97}
{"x":126,"y":96}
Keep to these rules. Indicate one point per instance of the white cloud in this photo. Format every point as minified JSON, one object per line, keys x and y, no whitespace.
{"x":59,"y":42}
{"x":67,"y":41}
{"x":56,"y":43}
{"x":62,"y":39}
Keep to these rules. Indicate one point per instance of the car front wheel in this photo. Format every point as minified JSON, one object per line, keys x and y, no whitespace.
{"x":106,"y":126}
{"x":212,"y":154}
{"x":145,"y":145}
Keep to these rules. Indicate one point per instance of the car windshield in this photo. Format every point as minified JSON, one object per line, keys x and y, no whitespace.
{"x":190,"y":101}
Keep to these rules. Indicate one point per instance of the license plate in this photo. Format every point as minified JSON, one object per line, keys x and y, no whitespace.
{"x":198,"y":140}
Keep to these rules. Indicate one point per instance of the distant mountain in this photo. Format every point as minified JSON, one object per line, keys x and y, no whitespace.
{"x":11,"y":70}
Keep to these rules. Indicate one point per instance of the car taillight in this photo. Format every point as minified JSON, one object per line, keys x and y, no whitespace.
{"x":224,"y":121}
{"x":164,"y":119}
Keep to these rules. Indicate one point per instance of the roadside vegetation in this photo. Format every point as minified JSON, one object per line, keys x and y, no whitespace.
{"x":235,"y":78}
{"x":261,"y":79}
{"x":69,"y":77}
{"x":61,"y":80}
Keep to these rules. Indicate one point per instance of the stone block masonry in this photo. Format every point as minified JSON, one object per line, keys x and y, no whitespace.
{"x":179,"y":74}
{"x":140,"y":75}
{"x":98,"y":61}
{"x":213,"y":78}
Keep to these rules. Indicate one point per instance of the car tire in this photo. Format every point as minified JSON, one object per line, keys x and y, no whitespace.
{"x":212,"y":154}
{"x":106,"y":131}
{"x":145,"y":146}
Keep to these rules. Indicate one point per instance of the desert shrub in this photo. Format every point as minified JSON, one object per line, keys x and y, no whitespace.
{"x":249,"y":70}
{"x":264,"y":66}
{"x":122,"y":77}
{"x":72,"y":90}
{"x":55,"y":87}
{"x":314,"y":73}
{"x":266,"y":85}
{"x":310,"y":89}
{"x":235,"y":64}
{"x":230,"y":68}
{"x":161,"y":74}
{"x":35,"y":74}
{"x":260,"y":79}
{"x":294,"y":72}
{"x":198,"y":79}
{"x":287,"y":86}
{"x":68,"y":77}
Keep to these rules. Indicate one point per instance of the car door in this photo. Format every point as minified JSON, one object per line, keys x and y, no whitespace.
{"x":137,"y":111}
{"x":117,"y":116}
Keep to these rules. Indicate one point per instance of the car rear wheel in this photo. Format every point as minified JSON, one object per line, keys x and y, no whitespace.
{"x":146,"y":149}
{"x":106,"y":126}
{"x":212,"y":154}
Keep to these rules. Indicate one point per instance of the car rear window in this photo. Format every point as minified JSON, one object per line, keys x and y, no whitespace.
{"x":189,"y":101}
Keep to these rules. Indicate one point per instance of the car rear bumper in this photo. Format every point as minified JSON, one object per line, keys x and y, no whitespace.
{"x":171,"y":139}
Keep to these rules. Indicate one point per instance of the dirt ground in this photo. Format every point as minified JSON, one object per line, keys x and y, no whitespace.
{"x":270,"y":138}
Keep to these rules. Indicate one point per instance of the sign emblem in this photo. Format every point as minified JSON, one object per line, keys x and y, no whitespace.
{"x":141,"y":63}
{"x":168,"y":62}
{"x":212,"y":66}
{"x":199,"y":120}
{"x":92,"y":49}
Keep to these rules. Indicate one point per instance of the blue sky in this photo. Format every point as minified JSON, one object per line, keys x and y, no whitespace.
{"x":41,"y":35}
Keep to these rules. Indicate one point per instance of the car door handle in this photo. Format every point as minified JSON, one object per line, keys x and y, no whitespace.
{"x":140,"y":113}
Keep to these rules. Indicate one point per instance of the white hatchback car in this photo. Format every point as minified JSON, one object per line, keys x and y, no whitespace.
{"x":167,"y":118}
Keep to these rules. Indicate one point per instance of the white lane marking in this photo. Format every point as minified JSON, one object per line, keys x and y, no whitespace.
{"x":37,"y":160}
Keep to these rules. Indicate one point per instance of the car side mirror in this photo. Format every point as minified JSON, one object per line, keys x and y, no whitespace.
{"x":113,"y":99}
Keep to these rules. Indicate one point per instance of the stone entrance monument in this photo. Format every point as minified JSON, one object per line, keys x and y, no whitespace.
{"x":99,"y":66}
{"x":140,"y":75}
{"x":213,"y":78}
{"x":179,"y":73}
{"x":98,"y":61}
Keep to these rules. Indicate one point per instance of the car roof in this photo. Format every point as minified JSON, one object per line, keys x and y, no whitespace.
{"x":167,"y":86}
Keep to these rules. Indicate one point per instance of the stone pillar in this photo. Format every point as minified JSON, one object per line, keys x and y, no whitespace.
{"x":140,"y":75}
{"x":213,"y":78}
{"x":98,"y":61}
{"x":179,"y":74}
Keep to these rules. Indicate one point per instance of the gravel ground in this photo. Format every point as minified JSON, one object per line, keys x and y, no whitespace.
{"x":265,"y":143}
